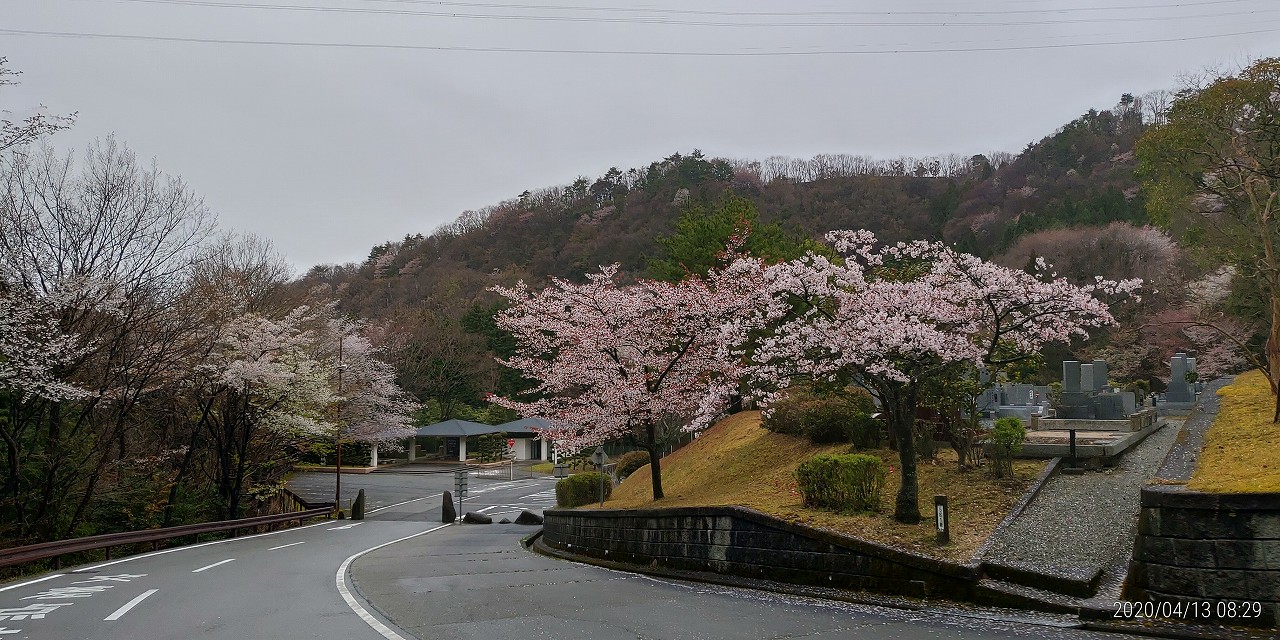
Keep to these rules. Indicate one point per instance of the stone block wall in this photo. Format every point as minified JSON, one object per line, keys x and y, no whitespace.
{"x":746,"y":543}
{"x":1210,"y":549}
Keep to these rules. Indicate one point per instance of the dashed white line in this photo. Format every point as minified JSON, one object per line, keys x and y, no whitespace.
{"x":23,"y":584}
{"x":130,"y":604}
{"x":351,"y":600}
{"x":212,"y":565}
{"x":286,"y":545}
{"x":346,"y":526}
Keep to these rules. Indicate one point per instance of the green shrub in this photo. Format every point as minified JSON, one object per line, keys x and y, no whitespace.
{"x":785,"y":415}
{"x":1139,"y":388}
{"x":631,"y":461}
{"x":582,"y":488}
{"x":1006,"y":440}
{"x":850,"y":482}
{"x":827,"y":420}
{"x":864,"y":431}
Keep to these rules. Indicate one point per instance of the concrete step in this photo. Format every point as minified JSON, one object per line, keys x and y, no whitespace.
{"x":1082,"y":583}
{"x":1009,"y":594}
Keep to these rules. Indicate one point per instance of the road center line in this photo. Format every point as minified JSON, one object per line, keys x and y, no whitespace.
{"x":23,"y":584}
{"x":351,"y":600}
{"x":286,"y":545}
{"x":129,"y":605}
{"x":212,"y":565}
{"x":373,"y":511}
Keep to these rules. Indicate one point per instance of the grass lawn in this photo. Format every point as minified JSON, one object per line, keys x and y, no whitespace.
{"x":1242,"y":447}
{"x":737,"y":462}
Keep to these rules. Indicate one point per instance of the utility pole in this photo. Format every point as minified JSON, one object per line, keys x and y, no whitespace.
{"x":337,"y":484}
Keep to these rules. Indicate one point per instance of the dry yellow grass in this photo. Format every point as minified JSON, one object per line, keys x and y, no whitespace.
{"x":737,"y":462}
{"x":1242,"y":447}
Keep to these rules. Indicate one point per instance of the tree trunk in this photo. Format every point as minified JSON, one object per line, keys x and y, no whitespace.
{"x":1273,"y":355}
{"x":655,"y":460}
{"x":902,"y":415}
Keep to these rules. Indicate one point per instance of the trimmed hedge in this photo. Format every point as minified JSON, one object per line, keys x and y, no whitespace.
{"x":849,"y":482}
{"x":582,"y":488}
{"x":630,"y":462}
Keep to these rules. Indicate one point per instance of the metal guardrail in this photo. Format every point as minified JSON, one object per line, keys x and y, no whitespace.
{"x":30,"y":553}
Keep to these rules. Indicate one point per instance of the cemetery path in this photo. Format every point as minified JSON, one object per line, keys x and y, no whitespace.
{"x":1081,"y":524}
{"x":1181,"y":461}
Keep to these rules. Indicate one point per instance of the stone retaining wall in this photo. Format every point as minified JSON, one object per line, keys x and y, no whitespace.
{"x":746,"y":543}
{"x":1210,"y":549}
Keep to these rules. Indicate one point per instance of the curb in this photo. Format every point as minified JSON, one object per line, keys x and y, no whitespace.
{"x":1155,"y":629}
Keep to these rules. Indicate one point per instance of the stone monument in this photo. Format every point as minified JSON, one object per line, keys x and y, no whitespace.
{"x":1179,"y":389}
{"x":1086,"y":395}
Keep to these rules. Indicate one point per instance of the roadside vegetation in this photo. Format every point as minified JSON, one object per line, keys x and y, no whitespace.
{"x":737,"y":462}
{"x":1242,"y":448}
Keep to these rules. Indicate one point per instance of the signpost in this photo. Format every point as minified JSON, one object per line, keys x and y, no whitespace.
{"x":598,"y":458}
{"x":460,"y":487}
{"x":511,"y":459}
{"x":942,"y":519}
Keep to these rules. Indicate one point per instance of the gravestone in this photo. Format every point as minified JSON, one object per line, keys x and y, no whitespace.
{"x":1099,"y":375}
{"x":1076,"y":402}
{"x":1179,"y":389}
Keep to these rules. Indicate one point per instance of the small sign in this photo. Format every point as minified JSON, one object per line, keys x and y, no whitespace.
{"x":511,"y":443}
{"x":599,"y":457}
{"x":941,"y":517}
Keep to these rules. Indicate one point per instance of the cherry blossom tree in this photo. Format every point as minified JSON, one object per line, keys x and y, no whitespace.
{"x":613,"y":360}
{"x":892,"y":317}
{"x":32,"y":347}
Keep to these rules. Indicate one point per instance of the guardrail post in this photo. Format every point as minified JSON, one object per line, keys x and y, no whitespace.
{"x":108,"y":553}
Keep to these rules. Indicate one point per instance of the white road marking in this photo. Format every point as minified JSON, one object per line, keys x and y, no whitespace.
{"x":23,"y":584}
{"x":364,"y":614}
{"x":373,"y":511}
{"x":129,"y":605}
{"x":286,"y":545}
{"x":487,"y":508}
{"x":192,"y":546}
{"x":346,"y":526}
{"x":212,"y":565}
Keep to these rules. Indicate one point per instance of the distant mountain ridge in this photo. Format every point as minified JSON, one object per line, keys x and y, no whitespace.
{"x":1083,"y":174}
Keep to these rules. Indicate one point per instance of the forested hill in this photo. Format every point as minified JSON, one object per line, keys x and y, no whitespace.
{"x":1081,"y":175}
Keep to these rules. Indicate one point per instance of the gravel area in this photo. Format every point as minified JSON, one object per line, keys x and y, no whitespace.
{"x":1181,"y":461}
{"x":1082,"y":523}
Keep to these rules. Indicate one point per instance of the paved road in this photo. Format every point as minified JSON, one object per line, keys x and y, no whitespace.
{"x":273,"y":586}
{"x":473,"y":582}
{"x":334,"y":579}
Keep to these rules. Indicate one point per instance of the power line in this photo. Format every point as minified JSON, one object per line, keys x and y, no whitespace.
{"x":605,"y":52}
{"x":709,"y":12}
{"x":655,"y":20}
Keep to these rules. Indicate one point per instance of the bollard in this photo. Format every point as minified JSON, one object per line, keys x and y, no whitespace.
{"x":357,"y":507}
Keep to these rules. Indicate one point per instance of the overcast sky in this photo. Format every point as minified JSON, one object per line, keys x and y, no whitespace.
{"x":408,"y":115}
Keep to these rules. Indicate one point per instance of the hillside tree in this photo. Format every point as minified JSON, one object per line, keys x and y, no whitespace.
{"x":1212,"y":173}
